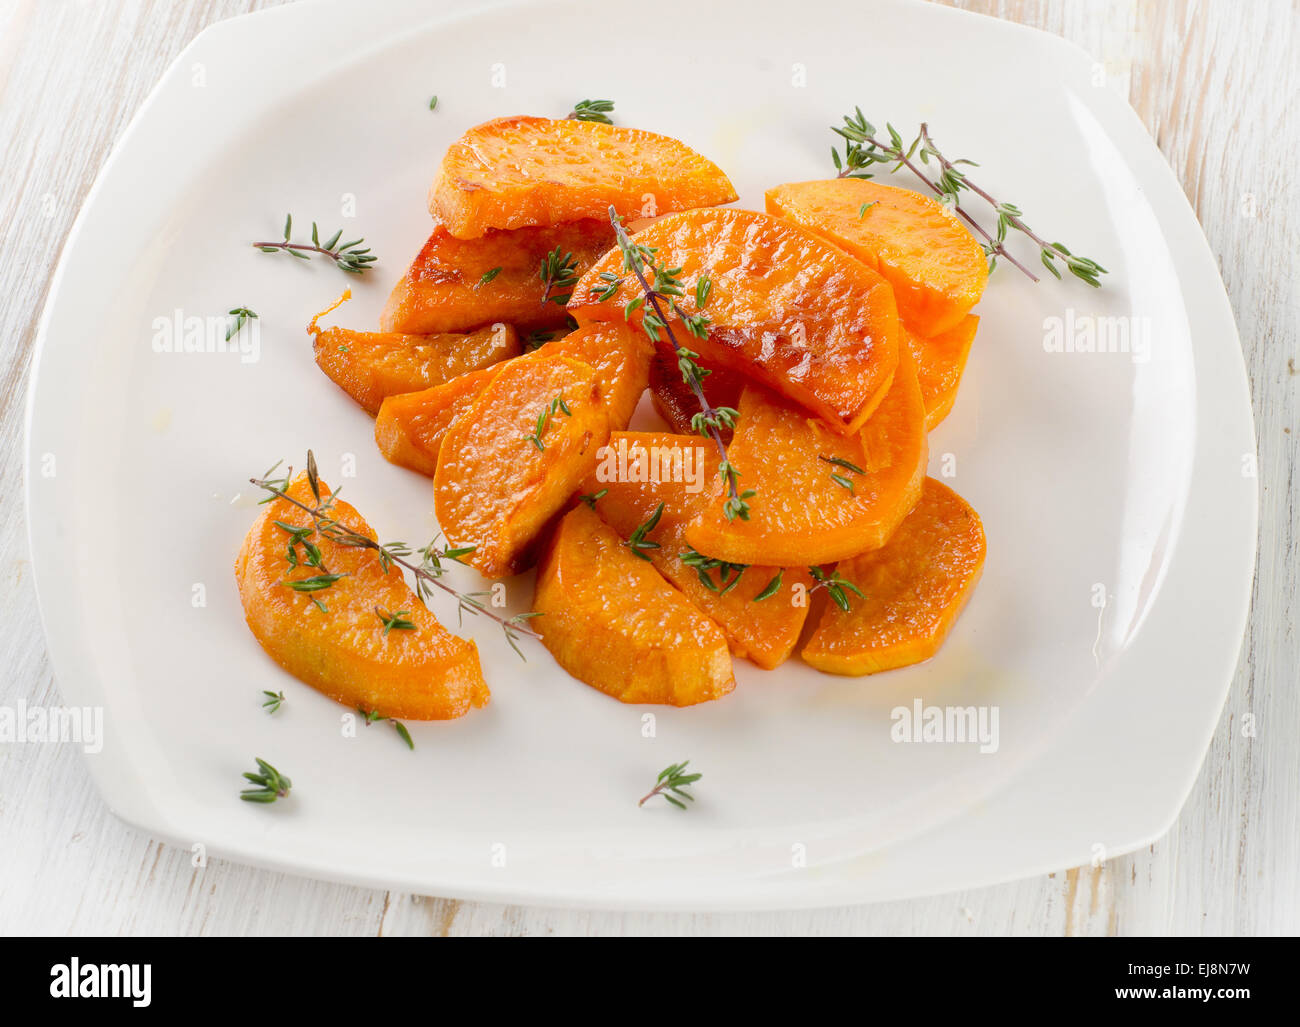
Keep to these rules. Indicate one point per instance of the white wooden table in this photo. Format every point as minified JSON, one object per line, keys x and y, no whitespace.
{"x":1216,"y":82}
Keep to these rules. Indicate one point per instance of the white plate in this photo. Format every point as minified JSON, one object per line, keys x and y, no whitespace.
{"x":1089,"y":470}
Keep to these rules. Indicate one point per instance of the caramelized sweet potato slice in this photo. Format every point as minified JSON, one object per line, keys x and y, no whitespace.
{"x":821,"y":497}
{"x":410,"y":428}
{"x":636,"y":472}
{"x":913,"y":588}
{"x":444,"y":289}
{"x":612,"y":622}
{"x":511,"y":461}
{"x":940,"y":361}
{"x":676,"y":403}
{"x":370,"y":366}
{"x":423,"y":673}
{"x":786,"y":308}
{"x":935,"y":265}
{"x":520,"y":171}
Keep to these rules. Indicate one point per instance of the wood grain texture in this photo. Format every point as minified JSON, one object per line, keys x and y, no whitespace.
{"x":1216,"y":83}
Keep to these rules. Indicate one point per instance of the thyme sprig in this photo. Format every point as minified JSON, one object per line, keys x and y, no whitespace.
{"x":273,"y":701}
{"x":559,"y":271}
{"x":271,"y":784}
{"x":771,"y":588}
{"x":842,"y":480}
{"x":592,"y":110}
{"x":371,"y":717}
{"x":399,"y":621}
{"x":728,"y":573}
{"x":638,"y":542}
{"x":862,"y":149}
{"x":349,"y":256}
{"x":837,"y":587}
{"x":554,"y":408}
{"x":659,"y":298}
{"x":427,"y":573}
{"x":241,"y":315}
{"x":671,"y":784}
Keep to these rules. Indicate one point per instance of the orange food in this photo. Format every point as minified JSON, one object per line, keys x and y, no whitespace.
{"x":940,"y":361}
{"x":678,"y":471}
{"x":801,"y":515}
{"x":409,"y":428}
{"x":673,"y":398}
{"x":343,"y":651}
{"x":611,"y":621}
{"x":913,"y":588}
{"x":512,"y":460}
{"x":935,"y":265}
{"x":444,"y":291}
{"x":370,"y":366}
{"x":520,"y":171}
{"x":786,"y":308}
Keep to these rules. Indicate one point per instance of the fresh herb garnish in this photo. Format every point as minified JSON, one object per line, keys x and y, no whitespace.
{"x":347,"y":257}
{"x":241,"y":315}
{"x":671,"y":784}
{"x":316,"y":583}
{"x":863,"y":150}
{"x":433,"y":104}
{"x":591,"y":498}
{"x":398,"y":621}
{"x":271,"y":784}
{"x":371,"y":717}
{"x":592,"y":110}
{"x":728,"y":573}
{"x":273,"y":701}
{"x":840,"y":479}
{"x":638,"y":542}
{"x":771,"y":588}
{"x":489,"y":275}
{"x":554,"y":408}
{"x":559,"y":271}
{"x":836,"y":587}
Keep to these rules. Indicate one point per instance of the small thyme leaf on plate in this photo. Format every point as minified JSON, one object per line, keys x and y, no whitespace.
{"x":349,"y":256}
{"x":671,"y":784}
{"x":591,"y":498}
{"x":398,"y":621}
{"x":592,"y":110}
{"x":770,"y":589}
{"x":371,"y":717}
{"x":836,"y":587}
{"x":241,"y":315}
{"x":554,"y":408}
{"x":862,"y":211}
{"x":559,"y":272}
{"x":489,"y":275}
{"x":433,"y":104}
{"x":271,"y":784}
{"x":638,"y":542}
{"x":273,"y":701}
{"x":316,"y":583}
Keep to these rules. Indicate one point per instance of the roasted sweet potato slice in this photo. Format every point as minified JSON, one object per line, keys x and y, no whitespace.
{"x":786,"y":308}
{"x":676,"y":403}
{"x":821,"y":496}
{"x":520,"y":171}
{"x":370,"y":366}
{"x":340,"y":647}
{"x":636,"y":472}
{"x":445,"y":290}
{"x":912,"y":590}
{"x":940,"y":361}
{"x":935,"y":265}
{"x":612,"y":622}
{"x":511,"y":461}
{"x":410,"y":428}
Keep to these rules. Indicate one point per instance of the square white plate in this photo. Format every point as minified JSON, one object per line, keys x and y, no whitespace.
{"x":1096,"y":474}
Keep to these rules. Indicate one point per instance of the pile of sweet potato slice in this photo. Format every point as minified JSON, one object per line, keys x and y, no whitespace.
{"x":838,"y":326}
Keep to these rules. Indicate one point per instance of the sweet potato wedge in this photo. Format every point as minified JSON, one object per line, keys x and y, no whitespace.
{"x":343,"y":650}
{"x":511,"y":461}
{"x":444,"y":288}
{"x":940,"y":361}
{"x":410,"y":428}
{"x":638,"y":471}
{"x":520,"y":171}
{"x":821,"y":496}
{"x":370,"y":366}
{"x":612,"y":622}
{"x":935,"y":265}
{"x":913,"y":589}
{"x":786,"y":308}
